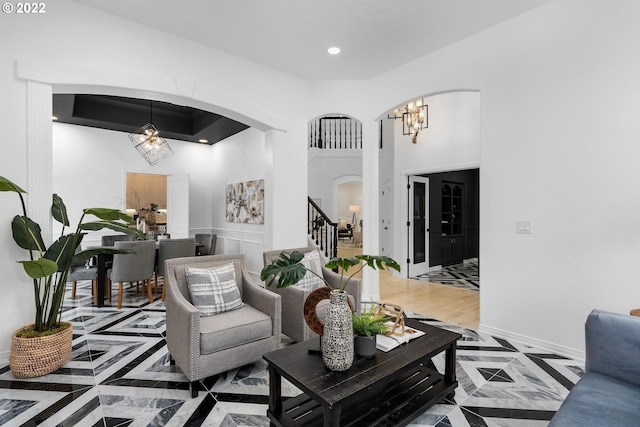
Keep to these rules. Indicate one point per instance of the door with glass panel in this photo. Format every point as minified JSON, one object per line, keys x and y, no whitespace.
{"x":418,"y":225}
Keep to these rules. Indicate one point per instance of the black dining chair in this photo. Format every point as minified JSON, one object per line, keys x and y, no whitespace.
{"x":208,"y":242}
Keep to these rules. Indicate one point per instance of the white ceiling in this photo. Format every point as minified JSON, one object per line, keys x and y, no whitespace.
{"x":293,"y":35}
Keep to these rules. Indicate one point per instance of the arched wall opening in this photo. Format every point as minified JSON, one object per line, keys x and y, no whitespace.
{"x":333,"y":161}
{"x":348,"y":197}
{"x":43,"y":81}
{"x":451,"y":142}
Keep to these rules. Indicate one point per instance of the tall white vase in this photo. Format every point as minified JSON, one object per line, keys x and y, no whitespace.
{"x":141,"y":225}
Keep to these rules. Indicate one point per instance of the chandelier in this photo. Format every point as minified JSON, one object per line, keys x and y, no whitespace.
{"x":149,"y":143}
{"x":415,"y":117}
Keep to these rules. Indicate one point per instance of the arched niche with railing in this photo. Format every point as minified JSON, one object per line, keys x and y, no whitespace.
{"x":335,"y":132}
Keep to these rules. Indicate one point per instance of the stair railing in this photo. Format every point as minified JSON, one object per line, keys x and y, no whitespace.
{"x":322,"y":230}
{"x":335,"y":133}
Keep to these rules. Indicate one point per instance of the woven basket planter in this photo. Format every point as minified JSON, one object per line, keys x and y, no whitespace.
{"x":34,"y":357}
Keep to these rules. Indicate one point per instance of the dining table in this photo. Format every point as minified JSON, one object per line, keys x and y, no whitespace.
{"x":102,"y":261}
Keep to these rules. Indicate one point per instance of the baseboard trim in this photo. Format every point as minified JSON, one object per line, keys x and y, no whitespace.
{"x":561,"y":350}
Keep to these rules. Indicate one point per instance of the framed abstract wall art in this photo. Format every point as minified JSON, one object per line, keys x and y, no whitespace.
{"x":245,"y":202}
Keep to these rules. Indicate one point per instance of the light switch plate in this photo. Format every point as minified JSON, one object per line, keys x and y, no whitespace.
{"x":523,"y":227}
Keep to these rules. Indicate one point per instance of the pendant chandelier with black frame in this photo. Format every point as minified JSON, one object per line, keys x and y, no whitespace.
{"x":149,"y":143}
{"x":415,"y":117}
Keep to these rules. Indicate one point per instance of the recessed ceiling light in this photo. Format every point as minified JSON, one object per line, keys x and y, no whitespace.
{"x":204,"y":141}
{"x":54,"y":118}
{"x":334,"y":50}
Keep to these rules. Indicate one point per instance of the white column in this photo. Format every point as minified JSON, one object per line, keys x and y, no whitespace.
{"x":370,"y":201}
{"x":39,"y":155}
{"x":286,"y":189}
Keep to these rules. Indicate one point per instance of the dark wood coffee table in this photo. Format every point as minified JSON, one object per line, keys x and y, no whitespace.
{"x":390,"y":389}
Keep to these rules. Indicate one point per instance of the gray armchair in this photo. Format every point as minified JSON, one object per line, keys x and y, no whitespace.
{"x":293,"y":297}
{"x":208,"y":345}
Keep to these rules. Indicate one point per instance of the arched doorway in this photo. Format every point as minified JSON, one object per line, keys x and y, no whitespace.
{"x":335,"y":171}
{"x":451,"y":142}
{"x":45,"y":79}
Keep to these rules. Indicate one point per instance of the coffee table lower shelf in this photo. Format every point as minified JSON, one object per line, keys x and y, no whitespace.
{"x":400,"y":402}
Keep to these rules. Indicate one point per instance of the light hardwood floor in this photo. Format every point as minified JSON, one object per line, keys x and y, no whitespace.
{"x":442,"y":302}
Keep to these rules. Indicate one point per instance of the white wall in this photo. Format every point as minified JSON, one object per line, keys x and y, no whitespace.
{"x":350,"y":193}
{"x":236,"y":159}
{"x":326,"y":169}
{"x":89,"y":167}
{"x":559,"y":148}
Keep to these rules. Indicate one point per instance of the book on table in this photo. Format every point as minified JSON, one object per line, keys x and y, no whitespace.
{"x":397,"y":338}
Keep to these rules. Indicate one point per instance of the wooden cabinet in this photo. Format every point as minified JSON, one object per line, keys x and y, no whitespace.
{"x":452,"y":223}
{"x":144,"y":189}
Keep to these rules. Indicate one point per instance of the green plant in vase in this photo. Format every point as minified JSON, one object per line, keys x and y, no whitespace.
{"x":369,"y":323}
{"x":287,"y":269}
{"x":48,"y":267}
{"x":337,"y":333}
{"x":366,"y":327}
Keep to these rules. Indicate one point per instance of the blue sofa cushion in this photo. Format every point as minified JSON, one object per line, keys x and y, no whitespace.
{"x":599,"y":400}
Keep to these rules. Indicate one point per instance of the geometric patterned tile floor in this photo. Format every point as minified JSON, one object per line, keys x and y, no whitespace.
{"x":119,"y":375}
{"x":465,"y":275}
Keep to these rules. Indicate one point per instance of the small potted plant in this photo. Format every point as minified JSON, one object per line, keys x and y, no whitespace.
{"x":366,"y":326}
{"x":45,"y":345}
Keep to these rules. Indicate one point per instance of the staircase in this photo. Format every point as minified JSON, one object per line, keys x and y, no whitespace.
{"x":329,"y":133}
{"x":322,"y":231}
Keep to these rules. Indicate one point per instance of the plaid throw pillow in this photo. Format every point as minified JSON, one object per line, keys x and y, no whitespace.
{"x":312,"y":262}
{"x":213,"y":290}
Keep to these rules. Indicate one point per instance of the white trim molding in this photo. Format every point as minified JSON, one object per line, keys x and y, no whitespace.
{"x":534,"y":342}
{"x":39,"y":154}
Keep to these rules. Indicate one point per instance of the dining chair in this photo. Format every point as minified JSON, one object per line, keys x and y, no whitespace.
{"x":168,"y":249}
{"x":209,"y":241}
{"x":134,"y":267}
{"x":81,"y":271}
{"x":109,"y":240}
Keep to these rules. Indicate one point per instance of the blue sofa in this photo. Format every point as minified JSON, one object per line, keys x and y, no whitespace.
{"x":609,"y":392}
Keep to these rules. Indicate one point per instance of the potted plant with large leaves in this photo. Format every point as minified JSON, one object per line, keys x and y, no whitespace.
{"x":337,"y":340}
{"x":45,"y":345}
